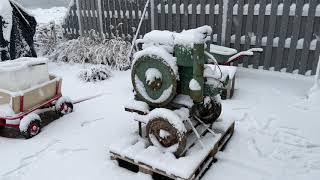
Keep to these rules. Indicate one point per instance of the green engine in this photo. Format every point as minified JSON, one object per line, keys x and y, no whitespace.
{"x":172,"y":64}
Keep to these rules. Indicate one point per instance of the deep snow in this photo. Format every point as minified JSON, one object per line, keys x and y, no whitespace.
{"x":276,"y":135}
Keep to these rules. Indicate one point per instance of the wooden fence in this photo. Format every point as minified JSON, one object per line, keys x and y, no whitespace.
{"x":112,"y":18}
{"x":287,"y":30}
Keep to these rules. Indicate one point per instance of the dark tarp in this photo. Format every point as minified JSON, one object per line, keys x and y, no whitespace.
{"x":21,"y":40}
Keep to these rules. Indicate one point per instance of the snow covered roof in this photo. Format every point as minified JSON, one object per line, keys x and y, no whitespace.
{"x":6,"y":14}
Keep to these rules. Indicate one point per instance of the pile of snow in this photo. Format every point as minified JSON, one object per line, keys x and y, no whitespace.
{"x":142,"y":90}
{"x":158,"y":52}
{"x":6,"y":14}
{"x":95,"y":73}
{"x":164,"y":39}
{"x":169,"y":115}
{"x":167,"y":39}
{"x":56,"y":14}
{"x":194,"y":85}
{"x":152,"y":74}
{"x":138,"y":105}
{"x":5,"y":110}
{"x":193,"y":36}
{"x":221,"y":50}
{"x":23,"y":73}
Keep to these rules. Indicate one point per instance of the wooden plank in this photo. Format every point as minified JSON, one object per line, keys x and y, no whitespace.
{"x":270,"y":36}
{"x":136,"y":17}
{"x":259,"y":33}
{"x":239,"y":27}
{"x":186,"y":14}
{"x":211,"y":17}
{"x":219,"y":41}
{"x":316,"y":58}
{"x":95,"y":13}
{"x":283,"y":34}
{"x":130,"y":19}
{"x":119,"y":18}
{"x":249,"y":22}
{"x":125,"y":25}
{"x":194,"y":14}
{"x":178,"y":16}
{"x":156,"y":14}
{"x":203,"y":12}
{"x":163,"y":15}
{"x":170,"y":22}
{"x":307,"y":37}
{"x":229,"y":23}
{"x":294,"y":36}
{"x":105,"y":18}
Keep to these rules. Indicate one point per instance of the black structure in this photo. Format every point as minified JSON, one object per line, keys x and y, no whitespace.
{"x":21,"y":40}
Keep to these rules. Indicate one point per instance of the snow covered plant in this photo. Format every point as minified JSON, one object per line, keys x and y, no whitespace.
{"x":95,"y":73}
{"x":95,"y":50}
{"x":47,"y":36}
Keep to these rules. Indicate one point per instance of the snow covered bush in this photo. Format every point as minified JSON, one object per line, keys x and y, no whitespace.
{"x":47,"y":37}
{"x":95,"y":50}
{"x":95,"y":73}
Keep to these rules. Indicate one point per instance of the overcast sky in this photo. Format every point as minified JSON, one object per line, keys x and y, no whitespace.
{"x":43,"y":3}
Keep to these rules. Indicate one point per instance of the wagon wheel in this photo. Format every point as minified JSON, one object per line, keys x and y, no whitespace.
{"x":63,"y":106}
{"x":164,"y":135}
{"x":30,"y":126}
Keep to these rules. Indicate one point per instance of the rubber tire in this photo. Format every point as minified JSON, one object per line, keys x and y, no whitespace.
{"x":69,"y":105}
{"x":161,"y":123}
{"x":27,"y":134}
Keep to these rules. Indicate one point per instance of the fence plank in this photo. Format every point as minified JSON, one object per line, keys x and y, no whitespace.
{"x":186,"y":16}
{"x":229,"y":23}
{"x":239,"y":26}
{"x":170,"y":25}
{"x":130,"y":19}
{"x":194,"y":15}
{"x":307,"y":37}
{"x":283,"y":33}
{"x":270,"y":36}
{"x":219,"y":38}
{"x":260,"y":26}
{"x":211,"y":17}
{"x":203,"y":12}
{"x":163,"y":16}
{"x":178,"y":15}
{"x":295,"y":36}
{"x":249,"y":22}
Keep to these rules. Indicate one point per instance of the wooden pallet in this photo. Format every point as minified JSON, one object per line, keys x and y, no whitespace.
{"x":156,"y":173}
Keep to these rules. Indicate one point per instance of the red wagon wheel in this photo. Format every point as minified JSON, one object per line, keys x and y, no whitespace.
{"x":30,"y":125}
{"x":63,"y":106}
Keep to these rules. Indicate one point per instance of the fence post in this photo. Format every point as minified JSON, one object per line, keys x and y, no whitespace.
{"x":152,"y":14}
{"x":79,"y":17}
{"x":100,"y":17}
{"x":224,"y":21}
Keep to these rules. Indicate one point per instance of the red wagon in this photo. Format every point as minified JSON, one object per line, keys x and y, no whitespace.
{"x":19,"y":108}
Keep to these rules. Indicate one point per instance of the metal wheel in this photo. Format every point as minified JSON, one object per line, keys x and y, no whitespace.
{"x":160,"y":90}
{"x":164,"y":135}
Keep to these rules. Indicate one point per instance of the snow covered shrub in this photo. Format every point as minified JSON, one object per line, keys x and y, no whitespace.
{"x":95,"y":73}
{"x":95,"y":50}
{"x":46,"y":38}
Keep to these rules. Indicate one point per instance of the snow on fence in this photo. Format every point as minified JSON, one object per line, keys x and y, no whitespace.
{"x":287,"y":30}
{"x":112,"y":18}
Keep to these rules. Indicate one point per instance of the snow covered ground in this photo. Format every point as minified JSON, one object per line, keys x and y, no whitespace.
{"x":46,"y":15}
{"x":276,"y":135}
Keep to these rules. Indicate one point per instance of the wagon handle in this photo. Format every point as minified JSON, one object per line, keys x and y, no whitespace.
{"x":242,"y":54}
